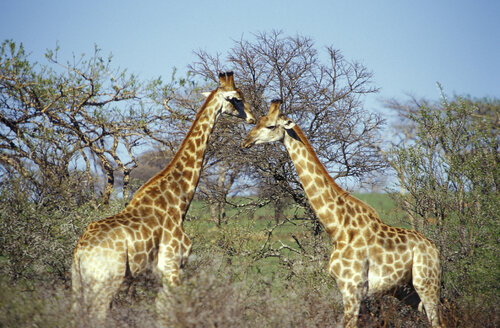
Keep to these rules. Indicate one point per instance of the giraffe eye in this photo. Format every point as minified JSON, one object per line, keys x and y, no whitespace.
{"x":271,"y":127}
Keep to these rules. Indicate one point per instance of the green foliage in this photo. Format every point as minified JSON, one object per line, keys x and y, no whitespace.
{"x":451,"y":173}
{"x":38,"y":237}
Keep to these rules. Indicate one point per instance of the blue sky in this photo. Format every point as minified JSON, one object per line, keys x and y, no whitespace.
{"x":409,"y":45}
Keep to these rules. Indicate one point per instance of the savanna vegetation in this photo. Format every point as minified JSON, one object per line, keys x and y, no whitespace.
{"x":78,"y":136}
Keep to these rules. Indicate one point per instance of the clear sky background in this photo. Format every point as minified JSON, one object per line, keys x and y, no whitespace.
{"x":409,"y":45}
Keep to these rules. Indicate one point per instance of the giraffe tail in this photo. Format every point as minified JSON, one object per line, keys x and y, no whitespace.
{"x":365,"y":276}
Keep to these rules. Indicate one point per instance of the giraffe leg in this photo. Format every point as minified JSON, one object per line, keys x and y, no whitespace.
{"x":170,"y":277}
{"x":98,"y":282}
{"x":429,"y":296}
{"x":169,"y":272}
{"x":352,"y":305}
{"x":77,"y":294}
{"x":354,"y":287}
{"x":102,"y":296}
{"x":353,"y":294}
{"x":426,"y":280}
{"x":91,"y":307}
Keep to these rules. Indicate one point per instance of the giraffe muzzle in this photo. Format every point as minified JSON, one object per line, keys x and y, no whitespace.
{"x":247,"y":144}
{"x":250,"y":120}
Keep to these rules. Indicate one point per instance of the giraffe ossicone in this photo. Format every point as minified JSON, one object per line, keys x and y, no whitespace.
{"x":369,"y":258}
{"x":148,"y":234}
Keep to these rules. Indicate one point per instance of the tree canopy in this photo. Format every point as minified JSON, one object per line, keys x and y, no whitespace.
{"x":321,"y":90}
{"x":73,"y":125}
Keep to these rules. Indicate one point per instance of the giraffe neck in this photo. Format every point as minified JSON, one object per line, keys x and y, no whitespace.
{"x":177,"y":182}
{"x":327,"y":199}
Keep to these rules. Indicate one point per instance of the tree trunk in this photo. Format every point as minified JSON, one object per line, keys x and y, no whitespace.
{"x":126,"y":185}
{"x":278,"y":210}
{"x":221,"y":196}
{"x":108,"y":189}
{"x":110,"y":181}
{"x":212,"y":203}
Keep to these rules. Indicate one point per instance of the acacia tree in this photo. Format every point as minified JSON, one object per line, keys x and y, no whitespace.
{"x":448,"y":165}
{"x":321,"y":91}
{"x":72,"y":122}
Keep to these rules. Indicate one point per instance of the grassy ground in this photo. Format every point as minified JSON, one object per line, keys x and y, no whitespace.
{"x":255,"y":234}
{"x":262,"y":218}
{"x":382,"y":203}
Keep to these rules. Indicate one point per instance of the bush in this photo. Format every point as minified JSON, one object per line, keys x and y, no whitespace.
{"x":38,"y":237}
{"x":450,"y":171}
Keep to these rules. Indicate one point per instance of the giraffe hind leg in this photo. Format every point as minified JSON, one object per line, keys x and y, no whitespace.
{"x":427,"y":287}
{"x":429,"y":303}
{"x":77,"y":296}
{"x":432,"y":311}
{"x":97,"y":299}
{"x":99,"y":284}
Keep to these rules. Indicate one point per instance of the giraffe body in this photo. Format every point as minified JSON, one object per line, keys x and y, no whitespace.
{"x":369,"y":258}
{"x":148,"y":234}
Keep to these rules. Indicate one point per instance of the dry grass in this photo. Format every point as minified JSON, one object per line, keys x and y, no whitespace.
{"x":210,"y":298}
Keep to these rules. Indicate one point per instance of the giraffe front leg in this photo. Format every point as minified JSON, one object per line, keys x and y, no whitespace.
{"x":353,"y":285}
{"x":172,"y":257}
{"x":353,"y":291}
{"x":352,"y":303}
{"x":169,"y":272}
{"x":351,"y":297}
{"x":170,"y":278}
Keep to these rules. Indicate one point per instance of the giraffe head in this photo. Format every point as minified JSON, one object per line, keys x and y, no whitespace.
{"x":231,"y":97}
{"x":271,"y":127}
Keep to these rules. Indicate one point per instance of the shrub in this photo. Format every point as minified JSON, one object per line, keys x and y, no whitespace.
{"x":38,"y":237}
{"x":450,"y":171}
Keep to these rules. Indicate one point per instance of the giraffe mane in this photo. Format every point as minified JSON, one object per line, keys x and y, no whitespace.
{"x":341,"y":192}
{"x":167,"y":168}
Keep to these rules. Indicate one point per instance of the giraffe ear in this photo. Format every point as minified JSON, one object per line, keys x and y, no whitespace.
{"x":205,"y":94}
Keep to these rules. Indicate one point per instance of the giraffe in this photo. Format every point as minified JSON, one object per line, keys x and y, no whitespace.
{"x":369,"y":258}
{"x":148,"y":234}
